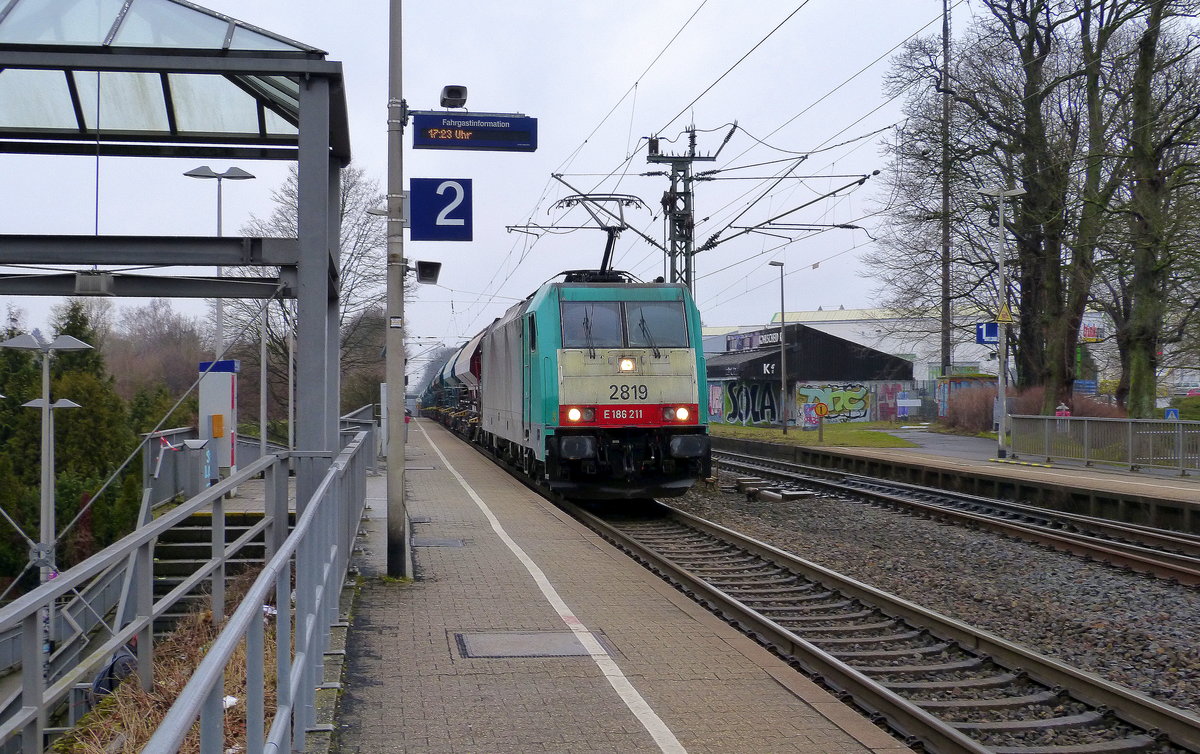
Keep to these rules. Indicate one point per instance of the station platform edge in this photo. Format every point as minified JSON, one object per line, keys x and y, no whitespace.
{"x":522,"y":631}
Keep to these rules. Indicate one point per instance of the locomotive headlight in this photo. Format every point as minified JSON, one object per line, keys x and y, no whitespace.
{"x":574,"y":414}
{"x":681,"y":414}
{"x":626,"y":365}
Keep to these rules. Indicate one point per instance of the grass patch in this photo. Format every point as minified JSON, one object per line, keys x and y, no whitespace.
{"x":125,"y":720}
{"x":839,"y":435}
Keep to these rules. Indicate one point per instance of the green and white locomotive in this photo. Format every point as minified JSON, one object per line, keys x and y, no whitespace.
{"x":592,"y":385}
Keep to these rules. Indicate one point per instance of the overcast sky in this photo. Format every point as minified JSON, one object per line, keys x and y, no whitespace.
{"x":812,"y":83}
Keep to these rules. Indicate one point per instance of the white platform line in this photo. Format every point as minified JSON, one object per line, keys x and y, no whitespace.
{"x":633,"y":700}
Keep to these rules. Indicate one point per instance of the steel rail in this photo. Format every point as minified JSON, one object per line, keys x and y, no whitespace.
{"x":1184,"y":568}
{"x":905,"y":718}
{"x":1147,"y":535}
{"x":1182,"y":728}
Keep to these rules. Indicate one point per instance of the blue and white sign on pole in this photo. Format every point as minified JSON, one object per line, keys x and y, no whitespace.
{"x":441,"y":209}
{"x":987,"y":333}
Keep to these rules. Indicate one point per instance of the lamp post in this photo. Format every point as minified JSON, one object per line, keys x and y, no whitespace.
{"x":1003,"y":318}
{"x":233,"y":174}
{"x":783,"y":396}
{"x":43,"y":554}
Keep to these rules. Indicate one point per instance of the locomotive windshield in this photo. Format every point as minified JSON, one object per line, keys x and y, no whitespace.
{"x":591,"y":324}
{"x":655,"y":324}
{"x":633,"y":324}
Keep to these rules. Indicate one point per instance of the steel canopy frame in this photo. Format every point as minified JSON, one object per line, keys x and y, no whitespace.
{"x":321,"y":147}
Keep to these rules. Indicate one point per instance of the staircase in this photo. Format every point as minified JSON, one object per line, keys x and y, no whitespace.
{"x":185,"y":548}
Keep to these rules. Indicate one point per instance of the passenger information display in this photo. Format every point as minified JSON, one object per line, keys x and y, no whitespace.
{"x":494,"y":133}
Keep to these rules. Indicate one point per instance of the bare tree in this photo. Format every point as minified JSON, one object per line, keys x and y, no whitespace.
{"x":154,"y":345}
{"x":1048,"y":90}
{"x":362,"y":270}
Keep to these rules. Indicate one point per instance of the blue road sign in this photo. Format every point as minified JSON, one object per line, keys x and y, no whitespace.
{"x":441,"y":209}
{"x":987,"y":333}
{"x":492,"y":133}
{"x":1171,"y":413}
{"x":1086,"y":387}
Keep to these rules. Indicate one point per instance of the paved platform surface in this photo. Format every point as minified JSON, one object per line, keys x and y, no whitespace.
{"x":979,"y":455}
{"x":456,"y":660}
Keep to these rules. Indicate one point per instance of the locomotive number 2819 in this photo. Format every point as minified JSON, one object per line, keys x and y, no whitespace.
{"x":628,"y":392}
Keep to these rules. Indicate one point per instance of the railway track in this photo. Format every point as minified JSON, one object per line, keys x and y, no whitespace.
{"x":1166,"y":554}
{"x":933,"y":680}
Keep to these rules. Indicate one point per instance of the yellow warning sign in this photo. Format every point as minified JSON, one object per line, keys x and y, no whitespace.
{"x":1005,"y":315}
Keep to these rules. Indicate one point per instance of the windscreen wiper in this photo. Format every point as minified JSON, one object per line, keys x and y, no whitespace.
{"x":649,"y":338}
{"x":587,"y":334}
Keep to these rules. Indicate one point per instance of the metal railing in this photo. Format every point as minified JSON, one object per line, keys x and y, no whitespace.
{"x":1132,"y":443}
{"x":319,"y":549}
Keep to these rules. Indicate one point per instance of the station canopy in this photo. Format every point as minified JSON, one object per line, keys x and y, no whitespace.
{"x":132,"y":73}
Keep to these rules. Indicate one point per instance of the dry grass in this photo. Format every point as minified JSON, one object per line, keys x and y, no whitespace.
{"x":126,"y":719}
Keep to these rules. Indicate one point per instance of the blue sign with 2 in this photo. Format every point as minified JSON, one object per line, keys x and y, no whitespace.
{"x":441,"y":209}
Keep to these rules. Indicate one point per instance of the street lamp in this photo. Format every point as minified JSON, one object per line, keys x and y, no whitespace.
{"x":783,"y":396}
{"x":1003,"y":317}
{"x":43,"y":555}
{"x":233,"y":174}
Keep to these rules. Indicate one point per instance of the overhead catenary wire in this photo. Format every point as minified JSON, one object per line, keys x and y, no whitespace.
{"x":731,"y":68}
{"x":529,"y":244}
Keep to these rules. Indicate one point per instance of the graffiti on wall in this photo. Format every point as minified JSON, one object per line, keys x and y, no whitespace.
{"x":846,"y":403}
{"x":745,"y":402}
{"x":716,"y":406}
{"x":749,"y":403}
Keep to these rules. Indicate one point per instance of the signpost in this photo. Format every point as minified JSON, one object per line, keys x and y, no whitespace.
{"x":441,"y":209}
{"x":474,"y":131}
{"x":821,"y":410}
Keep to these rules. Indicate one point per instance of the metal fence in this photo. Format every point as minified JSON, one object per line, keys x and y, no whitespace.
{"x":1132,"y":443}
{"x":317,"y":551}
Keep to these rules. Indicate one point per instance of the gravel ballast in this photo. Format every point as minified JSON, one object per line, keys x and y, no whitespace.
{"x":1134,"y":630}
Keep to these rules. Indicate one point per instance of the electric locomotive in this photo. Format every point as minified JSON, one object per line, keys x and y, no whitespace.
{"x":592,"y":385}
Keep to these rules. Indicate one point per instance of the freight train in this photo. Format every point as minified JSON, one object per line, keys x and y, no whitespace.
{"x":591,"y":386}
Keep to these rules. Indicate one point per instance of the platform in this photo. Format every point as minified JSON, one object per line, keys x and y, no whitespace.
{"x":525,"y":632}
{"x":969,"y":465}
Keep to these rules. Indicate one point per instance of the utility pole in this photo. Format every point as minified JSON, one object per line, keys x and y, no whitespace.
{"x":678,"y":209}
{"x":947,"y":355}
{"x":399,"y":561}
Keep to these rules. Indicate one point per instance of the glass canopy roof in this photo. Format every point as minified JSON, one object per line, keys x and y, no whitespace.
{"x":249,"y":94}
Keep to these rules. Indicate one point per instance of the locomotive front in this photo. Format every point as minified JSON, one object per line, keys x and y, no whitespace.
{"x":628,"y":417}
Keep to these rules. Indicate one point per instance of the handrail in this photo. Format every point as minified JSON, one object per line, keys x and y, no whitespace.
{"x":201,"y":696}
{"x":39,"y":694}
{"x":1133,"y":443}
{"x":79,"y":574}
{"x":321,"y":552}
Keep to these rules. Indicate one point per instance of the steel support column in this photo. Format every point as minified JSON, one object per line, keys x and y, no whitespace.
{"x":314,"y":430}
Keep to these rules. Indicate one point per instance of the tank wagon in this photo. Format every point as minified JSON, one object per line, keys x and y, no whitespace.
{"x":592,"y":386}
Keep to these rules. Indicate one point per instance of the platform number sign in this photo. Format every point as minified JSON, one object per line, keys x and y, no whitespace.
{"x":441,"y":209}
